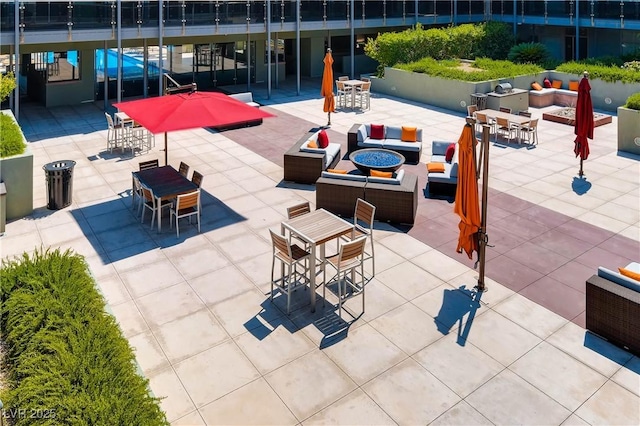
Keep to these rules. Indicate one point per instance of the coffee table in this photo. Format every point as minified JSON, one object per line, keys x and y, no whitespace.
{"x":380,"y":159}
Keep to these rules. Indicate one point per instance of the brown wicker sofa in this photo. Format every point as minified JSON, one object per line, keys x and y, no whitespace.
{"x":613,"y":309}
{"x":397,"y":203}
{"x":306,"y":167}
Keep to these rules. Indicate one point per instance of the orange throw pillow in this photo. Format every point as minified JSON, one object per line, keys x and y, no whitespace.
{"x":312,"y":144}
{"x":409,"y":134}
{"x":573,"y":85}
{"x":435,"y":167}
{"x":556,"y":84}
{"x":378,"y":173}
{"x":536,"y":86}
{"x":629,"y":273}
{"x":342,"y":172}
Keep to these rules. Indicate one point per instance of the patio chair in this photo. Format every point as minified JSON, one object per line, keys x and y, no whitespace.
{"x":150,"y":202}
{"x":116,"y":134}
{"x":524,"y":113}
{"x":186,"y":205}
{"x":136,"y":192}
{"x":482,"y":119}
{"x":145,"y":165}
{"x":506,"y":128}
{"x":471,"y":110}
{"x":363,"y":218}
{"x":349,"y":266}
{"x":197,"y":178}
{"x":298,"y":210}
{"x":184,"y":169}
{"x":342,"y":93}
{"x":343,"y":78}
{"x":363,"y":95}
{"x":529,"y":131}
{"x":290,"y":257}
{"x":505,"y":109}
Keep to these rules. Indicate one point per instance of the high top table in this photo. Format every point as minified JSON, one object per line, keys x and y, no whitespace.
{"x":316,"y":228}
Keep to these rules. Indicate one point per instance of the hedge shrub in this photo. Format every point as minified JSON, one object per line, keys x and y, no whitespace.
{"x":487,"y":69}
{"x":460,"y":41}
{"x":65,"y":354}
{"x":11,"y":140}
{"x":596,"y":69}
{"x":633,"y":101}
{"x":529,"y":53}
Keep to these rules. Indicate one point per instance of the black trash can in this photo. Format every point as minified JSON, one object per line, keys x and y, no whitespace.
{"x":59,"y":175}
{"x":479,"y":99}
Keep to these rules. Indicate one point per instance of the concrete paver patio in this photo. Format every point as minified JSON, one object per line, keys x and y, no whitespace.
{"x":196,"y":308}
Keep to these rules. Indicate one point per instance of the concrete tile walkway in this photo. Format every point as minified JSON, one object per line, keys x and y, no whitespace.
{"x":428,"y":349}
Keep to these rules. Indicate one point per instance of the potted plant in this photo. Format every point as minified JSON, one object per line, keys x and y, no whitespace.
{"x":629,"y":125}
{"x":16,"y":159}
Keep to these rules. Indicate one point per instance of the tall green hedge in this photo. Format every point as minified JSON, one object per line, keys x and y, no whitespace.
{"x":469,"y":41}
{"x":67,"y":360}
{"x":11,"y":140}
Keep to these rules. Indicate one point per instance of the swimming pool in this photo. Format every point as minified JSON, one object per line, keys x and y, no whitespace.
{"x":132,"y":67}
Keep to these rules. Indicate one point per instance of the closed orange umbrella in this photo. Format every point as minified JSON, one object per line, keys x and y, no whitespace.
{"x":327,"y":86}
{"x":467,"y":205}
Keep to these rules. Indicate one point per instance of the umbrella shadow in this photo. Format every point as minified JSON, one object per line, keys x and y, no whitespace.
{"x":456,"y":305}
{"x":580,"y":185}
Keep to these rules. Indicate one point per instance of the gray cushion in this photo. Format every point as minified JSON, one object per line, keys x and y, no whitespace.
{"x":359,"y":178}
{"x":363,"y":132}
{"x":402,"y":146}
{"x":371,"y":143}
{"x":618,"y":278}
{"x":392,"y":132}
{"x":439,"y":148}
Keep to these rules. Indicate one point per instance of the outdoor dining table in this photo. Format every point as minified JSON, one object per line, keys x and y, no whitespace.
{"x":512,"y":118}
{"x":166,"y":184}
{"x":353,"y":84}
{"x":316,"y":228}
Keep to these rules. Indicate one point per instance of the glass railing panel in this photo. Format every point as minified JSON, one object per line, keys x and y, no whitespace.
{"x":531,"y":8}
{"x":91,"y":15}
{"x":444,"y":8}
{"x":312,"y":11}
{"x":45,"y":16}
{"x":560,"y":9}
{"x":604,"y":10}
{"x":201,"y":13}
{"x":426,"y":8}
{"x":396,"y":9}
{"x":337,"y":10}
{"x":257,"y":12}
{"x":374,"y":10}
{"x":7,"y":18}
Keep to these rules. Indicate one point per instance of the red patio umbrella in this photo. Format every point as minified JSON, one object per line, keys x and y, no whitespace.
{"x":584,"y":120}
{"x":467,"y":203}
{"x":327,"y":86}
{"x":189,"y":111}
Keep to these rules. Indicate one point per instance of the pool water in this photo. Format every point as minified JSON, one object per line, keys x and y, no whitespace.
{"x":132,"y":67}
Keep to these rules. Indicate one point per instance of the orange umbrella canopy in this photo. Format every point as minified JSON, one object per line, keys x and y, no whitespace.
{"x":467,"y":205}
{"x":327,"y":84}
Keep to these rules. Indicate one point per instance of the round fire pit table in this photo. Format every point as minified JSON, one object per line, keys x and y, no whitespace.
{"x":380,"y":159}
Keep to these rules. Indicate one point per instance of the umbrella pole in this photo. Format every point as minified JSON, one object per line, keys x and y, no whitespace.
{"x":166,"y":156}
{"x":482,"y":232}
{"x":329,"y":118}
{"x":580,"y":173}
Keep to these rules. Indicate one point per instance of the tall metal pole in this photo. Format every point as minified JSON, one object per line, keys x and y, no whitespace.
{"x":119,"y":61}
{"x":352,"y":11}
{"x":482,"y":232}
{"x":17,"y":61}
{"x":269,"y":49}
{"x":160,"y":43}
{"x":298,"y":48}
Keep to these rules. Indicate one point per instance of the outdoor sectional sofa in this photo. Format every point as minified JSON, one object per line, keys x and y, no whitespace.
{"x":396,"y":198}
{"x":304,"y":165}
{"x":359,"y":137}
{"x":613,"y":307}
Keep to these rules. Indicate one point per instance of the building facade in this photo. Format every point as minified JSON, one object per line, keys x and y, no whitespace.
{"x":69,"y":52}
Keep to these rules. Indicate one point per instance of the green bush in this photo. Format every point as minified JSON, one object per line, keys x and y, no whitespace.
{"x":7,"y":84}
{"x":632,"y":65}
{"x":497,"y":41}
{"x":610,"y":74}
{"x":65,"y":354}
{"x":633,"y":101}
{"x":487,"y":69}
{"x":11,"y":140}
{"x":529,"y":53}
{"x":461,"y":41}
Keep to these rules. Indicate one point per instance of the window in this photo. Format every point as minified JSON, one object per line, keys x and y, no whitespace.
{"x":61,"y":66}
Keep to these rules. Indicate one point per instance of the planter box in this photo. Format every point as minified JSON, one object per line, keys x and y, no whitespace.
{"x":17,"y":174}
{"x":629,"y":130}
{"x":455,"y":95}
